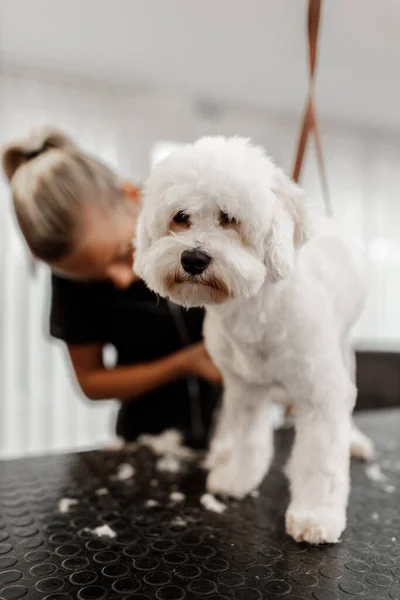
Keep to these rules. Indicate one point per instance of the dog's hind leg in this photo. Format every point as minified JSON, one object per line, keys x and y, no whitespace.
{"x":349,"y":357}
{"x":361,"y":447}
{"x":244,"y":467}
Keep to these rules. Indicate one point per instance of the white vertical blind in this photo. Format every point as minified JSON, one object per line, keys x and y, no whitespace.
{"x":41,"y":408}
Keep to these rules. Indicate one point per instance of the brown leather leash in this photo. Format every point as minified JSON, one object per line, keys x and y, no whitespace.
{"x":310,"y":122}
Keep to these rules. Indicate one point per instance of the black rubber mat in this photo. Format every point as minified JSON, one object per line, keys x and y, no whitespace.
{"x":174,"y":552}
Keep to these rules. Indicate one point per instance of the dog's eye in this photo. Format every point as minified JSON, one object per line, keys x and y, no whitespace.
{"x":225,"y":219}
{"x":181,"y":218}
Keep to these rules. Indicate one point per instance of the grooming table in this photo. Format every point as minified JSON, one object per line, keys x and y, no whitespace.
{"x":173,"y":552}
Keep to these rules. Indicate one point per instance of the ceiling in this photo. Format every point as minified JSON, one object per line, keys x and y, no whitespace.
{"x":249,"y":52}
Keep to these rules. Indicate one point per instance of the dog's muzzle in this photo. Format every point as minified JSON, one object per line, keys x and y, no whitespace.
{"x":195,"y":262}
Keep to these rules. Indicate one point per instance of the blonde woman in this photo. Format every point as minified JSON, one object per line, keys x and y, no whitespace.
{"x":76,"y":216}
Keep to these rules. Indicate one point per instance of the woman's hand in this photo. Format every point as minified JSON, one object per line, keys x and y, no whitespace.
{"x":197,"y":362}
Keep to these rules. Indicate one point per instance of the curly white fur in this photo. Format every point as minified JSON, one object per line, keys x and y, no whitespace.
{"x":282,"y":291}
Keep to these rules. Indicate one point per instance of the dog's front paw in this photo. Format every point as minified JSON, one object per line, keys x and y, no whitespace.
{"x":319,"y":526}
{"x":215,"y":457}
{"x":233,"y":479}
{"x":238,"y":476}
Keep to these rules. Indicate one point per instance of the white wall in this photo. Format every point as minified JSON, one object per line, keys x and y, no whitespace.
{"x":40,"y":407}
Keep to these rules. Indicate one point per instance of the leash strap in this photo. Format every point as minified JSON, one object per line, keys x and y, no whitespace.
{"x":309,"y":122}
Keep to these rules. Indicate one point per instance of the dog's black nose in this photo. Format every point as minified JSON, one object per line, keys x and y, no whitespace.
{"x":195,"y":262}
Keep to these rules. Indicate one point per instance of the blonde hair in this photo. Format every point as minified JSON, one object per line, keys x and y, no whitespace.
{"x":51,"y":180}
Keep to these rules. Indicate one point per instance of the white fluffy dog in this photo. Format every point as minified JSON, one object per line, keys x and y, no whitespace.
{"x":223,"y":227}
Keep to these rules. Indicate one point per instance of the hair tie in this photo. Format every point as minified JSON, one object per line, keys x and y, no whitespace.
{"x":35,"y":153}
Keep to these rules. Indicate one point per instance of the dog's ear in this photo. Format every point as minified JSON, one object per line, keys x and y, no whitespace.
{"x":291,"y":227}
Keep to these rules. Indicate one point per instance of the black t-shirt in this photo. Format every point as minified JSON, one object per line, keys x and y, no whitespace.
{"x":142,"y":327}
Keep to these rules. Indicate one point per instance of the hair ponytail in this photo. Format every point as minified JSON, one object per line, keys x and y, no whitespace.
{"x":51,"y":181}
{"x":28,"y":148}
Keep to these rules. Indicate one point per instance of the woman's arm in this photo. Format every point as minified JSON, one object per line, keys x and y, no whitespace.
{"x":128,"y":382}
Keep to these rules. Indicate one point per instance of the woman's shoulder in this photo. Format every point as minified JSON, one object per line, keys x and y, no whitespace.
{"x":66,"y":285}
{"x":101,"y":292}
{"x":85,"y":296}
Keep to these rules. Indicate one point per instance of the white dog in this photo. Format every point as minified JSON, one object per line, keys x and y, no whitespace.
{"x":222,"y":227}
